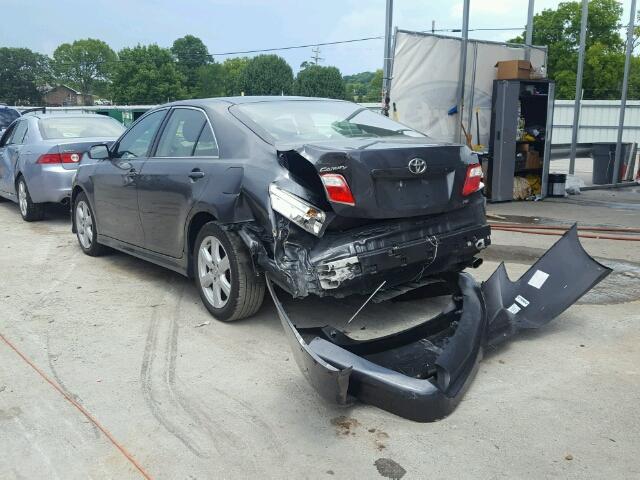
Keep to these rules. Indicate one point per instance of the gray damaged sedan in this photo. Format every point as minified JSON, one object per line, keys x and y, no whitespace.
{"x":40,"y":152}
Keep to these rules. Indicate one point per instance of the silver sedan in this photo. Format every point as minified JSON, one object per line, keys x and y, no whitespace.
{"x":39,"y":154}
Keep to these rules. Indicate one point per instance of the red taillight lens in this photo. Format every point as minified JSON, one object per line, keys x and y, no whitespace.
{"x":473,"y":180}
{"x":66,"y":157}
{"x":337,"y":188}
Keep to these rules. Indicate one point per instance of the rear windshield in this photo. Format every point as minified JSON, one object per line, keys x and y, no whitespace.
{"x":311,"y":120}
{"x":79,"y":127}
{"x":7,"y":115}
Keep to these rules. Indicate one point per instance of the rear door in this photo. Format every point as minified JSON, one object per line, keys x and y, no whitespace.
{"x":115,"y":181}
{"x":185,"y":162}
{"x":9,"y":154}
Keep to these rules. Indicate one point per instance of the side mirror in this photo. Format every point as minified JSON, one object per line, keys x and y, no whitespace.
{"x":99,"y":152}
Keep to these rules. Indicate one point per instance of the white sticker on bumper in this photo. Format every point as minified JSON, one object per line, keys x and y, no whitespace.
{"x":522,"y":301}
{"x":538,"y":279}
{"x":513,"y":309}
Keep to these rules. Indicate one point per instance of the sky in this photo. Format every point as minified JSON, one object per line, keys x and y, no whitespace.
{"x":236,"y":25}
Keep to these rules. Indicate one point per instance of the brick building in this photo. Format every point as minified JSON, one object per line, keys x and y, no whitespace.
{"x":64,"y":96}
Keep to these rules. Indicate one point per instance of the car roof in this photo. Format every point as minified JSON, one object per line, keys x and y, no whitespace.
{"x":40,"y":115}
{"x":247,"y":99}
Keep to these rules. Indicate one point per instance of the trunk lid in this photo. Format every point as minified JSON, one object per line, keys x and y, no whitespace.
{"x":394,"y":178}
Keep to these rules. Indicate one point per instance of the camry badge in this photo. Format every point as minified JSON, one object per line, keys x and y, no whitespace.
{"x":417,"y":166}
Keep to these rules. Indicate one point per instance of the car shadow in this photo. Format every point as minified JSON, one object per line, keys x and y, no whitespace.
{"x":56,"y":213}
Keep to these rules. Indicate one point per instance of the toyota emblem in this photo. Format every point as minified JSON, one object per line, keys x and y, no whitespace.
{"x":417,"y":166}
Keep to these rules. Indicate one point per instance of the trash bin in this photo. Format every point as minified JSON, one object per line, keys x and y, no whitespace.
{"x":604,"y":156}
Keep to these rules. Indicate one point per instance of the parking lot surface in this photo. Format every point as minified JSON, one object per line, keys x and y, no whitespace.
{"x":173,"y":393}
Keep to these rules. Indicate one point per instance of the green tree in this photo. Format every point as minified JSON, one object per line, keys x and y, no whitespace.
{"x":374,"y":92}
{"x":559,"y":30}
{"x":319,"y":81}
{"x":233,"y":75}
{"x":357,"y":85}
{"x":147,"y":74}
{"x":23,"y":73}
{"x":210,"y":81}
{"x":267,"y":75}
{"x":191,"y":54}
{"x":85,"y":64}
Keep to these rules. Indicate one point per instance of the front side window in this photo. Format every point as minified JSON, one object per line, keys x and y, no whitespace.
{"x":181,"y":134}
{"x":294,"y":121}
{"x":79,"y":127}
{"x":137,"y":140}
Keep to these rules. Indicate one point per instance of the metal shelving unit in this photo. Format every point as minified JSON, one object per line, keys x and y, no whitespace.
{"x":536,"y":109}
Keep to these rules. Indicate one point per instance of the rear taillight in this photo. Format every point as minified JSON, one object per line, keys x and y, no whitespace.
{"x":66,"y":157}
{"x":337,"y":188}
{"x":473,"y":180}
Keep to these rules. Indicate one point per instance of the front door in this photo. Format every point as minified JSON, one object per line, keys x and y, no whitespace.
{"x":174,"y":178}
{"x":115,"y":181}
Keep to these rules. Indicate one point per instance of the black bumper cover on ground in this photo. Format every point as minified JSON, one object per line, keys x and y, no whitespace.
{"x":421,"y":373}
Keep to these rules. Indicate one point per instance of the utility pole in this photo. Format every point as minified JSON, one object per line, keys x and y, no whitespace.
{"x":386,"y":66}
{"x":462,"y":72}
{"x":577,"y":102}
{"x":316,"y":55}
{"x":528,"y":41}
{"x":625,"y":86}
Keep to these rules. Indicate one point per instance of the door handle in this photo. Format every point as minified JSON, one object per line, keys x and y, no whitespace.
{"x":196,"y":173}
{"x":132,"y":173}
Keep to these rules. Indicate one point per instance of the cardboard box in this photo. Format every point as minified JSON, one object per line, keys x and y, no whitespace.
{"x":514,"y":70}
{"x":532,"y":160}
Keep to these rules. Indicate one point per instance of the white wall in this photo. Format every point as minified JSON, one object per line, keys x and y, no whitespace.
{"x":598,"y":121}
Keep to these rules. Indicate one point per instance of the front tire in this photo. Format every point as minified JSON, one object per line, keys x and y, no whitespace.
{"x":85,"y":223}
{"x":30,"y":212}
{"x":227,"y":283}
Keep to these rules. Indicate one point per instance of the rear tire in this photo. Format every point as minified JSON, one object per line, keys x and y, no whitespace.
{"x":224,"y":275}
{"x":30,"y":212}
{"x":85,"y":223}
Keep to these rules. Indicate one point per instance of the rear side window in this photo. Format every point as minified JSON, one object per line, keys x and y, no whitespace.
{"x":206,"y":146}
{"x":137,"y":140}
{"x":187,"y":134}
{"x":79,"y":127}
{"x":19,"y":133}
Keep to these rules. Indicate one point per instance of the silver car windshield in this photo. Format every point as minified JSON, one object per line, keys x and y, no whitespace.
{"x":79,"y":127}
{"x":300,"y":120}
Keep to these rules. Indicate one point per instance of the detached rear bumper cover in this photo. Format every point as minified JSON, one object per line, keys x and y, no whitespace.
{"x":421,"y":373}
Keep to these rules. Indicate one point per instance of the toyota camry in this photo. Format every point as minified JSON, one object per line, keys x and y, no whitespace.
{"x":324,"y":196}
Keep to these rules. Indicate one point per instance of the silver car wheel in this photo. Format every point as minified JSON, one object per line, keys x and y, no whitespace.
{"x":84,"y":224}
{"x":214,"y":272}
{"x":22,"y":197}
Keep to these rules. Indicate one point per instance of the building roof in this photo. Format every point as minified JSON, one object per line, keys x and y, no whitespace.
{"x":65,"y":86}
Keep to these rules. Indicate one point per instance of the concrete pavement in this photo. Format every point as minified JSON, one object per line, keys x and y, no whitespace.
{"x":130,"y":342}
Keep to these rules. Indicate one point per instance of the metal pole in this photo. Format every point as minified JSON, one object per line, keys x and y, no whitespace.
{"x":576,"y":104}
{"x":528,"y":41}
{"x":462,"y":73}
{"x":625,"y":86}
{"x":386,"y":66}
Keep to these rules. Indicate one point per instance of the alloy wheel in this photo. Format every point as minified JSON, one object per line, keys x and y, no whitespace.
{"x":84,"y":224}
{"x":22,"y":197}
{"x":214,"y":271}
